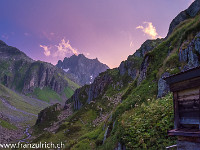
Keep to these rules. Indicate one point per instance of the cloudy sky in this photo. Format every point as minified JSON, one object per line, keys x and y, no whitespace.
{"x":109,"y":30}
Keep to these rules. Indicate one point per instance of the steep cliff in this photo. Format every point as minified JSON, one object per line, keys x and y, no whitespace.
{"x":131,"y":66}
{"x":82,"y":69}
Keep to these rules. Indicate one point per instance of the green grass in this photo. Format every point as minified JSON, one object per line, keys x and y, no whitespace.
{"x":68,"y":92}
{"x":50,"y":116}
{"x":72,"y":84}
{"x":146,"y":126}
{"x":22,"y":103}
{"x":7,"y":125}
{"x":46,"y":94}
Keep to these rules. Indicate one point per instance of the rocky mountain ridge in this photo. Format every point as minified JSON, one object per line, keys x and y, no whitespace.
{"x":82,"y":69}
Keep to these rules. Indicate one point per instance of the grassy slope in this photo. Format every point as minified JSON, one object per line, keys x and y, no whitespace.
{"x":141,"y":121}
{"x":48,"y":95}
{"x":22,"y":103}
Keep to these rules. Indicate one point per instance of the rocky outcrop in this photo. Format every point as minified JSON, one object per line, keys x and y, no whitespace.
{"x":89,"y":93}
{"x":82,"y":69}
{"x":190,"y":52}
{"x":132,"y":65}
{"x":146,"y":47}
{"x":48,"y":115}
{"x":163,"y":87}
{"x":143,"y":70}
{"x":43,"y":75}
{"x":188,"y":13}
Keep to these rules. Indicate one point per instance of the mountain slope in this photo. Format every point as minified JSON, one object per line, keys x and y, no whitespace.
{"x":82,"y":69}
{"x":21,"y":73}
{"x":121,"y":108}
{"x":191,"y":12}
{"x":17,"y":113}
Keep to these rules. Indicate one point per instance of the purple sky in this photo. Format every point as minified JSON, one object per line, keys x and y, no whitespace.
{"x":110,"y":30}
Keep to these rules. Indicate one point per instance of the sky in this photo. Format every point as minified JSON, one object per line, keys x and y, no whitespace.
{"x":109,"y":30}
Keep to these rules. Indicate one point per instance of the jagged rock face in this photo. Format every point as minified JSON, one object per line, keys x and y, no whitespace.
{"x":127,"y":67}
{"x":82,"y":69}
{"x":188,"y":13}
{"x":143,"y":70}
{"x":163,"y":87}
{"x":43,"y":75}
{"x":190,"y":52}
{"x":132,"y":64}
{"x":88,"y":93}
{"x":147,"y":46}
{"x":48,"y":115}
{"x":21,"y":73}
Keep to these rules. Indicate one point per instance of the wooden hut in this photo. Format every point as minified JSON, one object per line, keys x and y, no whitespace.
{"x":186,"y":98}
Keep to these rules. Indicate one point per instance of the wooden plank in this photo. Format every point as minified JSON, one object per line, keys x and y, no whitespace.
{"x":184,"y":133}
{"x":176,"y":113}
{"x":187,"y":84}
{"x":189,"y":98}
{"x":189,"y":139}
{"x":185,"y":120}
{"x":188,"y":92}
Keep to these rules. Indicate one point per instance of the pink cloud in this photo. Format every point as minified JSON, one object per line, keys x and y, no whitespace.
{"x":149,"y":30}
{"x":47,"y":51}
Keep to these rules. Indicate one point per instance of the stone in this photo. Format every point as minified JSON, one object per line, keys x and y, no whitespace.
{"x":87,"y":94}
{"x":143,"y":70}
{"x":163,"y":87}
{"x":190,"y":53}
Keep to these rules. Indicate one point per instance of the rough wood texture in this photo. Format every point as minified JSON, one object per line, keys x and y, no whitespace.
{"x":189,"y":139}
{"x":176,"y":113}
{"x":184,"y":132}
{"x":187,"y":84}
{"x":187,"y":92}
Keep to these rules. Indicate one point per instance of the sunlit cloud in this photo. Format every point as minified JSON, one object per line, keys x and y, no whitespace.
{"x":64,"y":48}
{"x":149,"y":30}
{"x":47,"y":51}
{"x":61,"y":50}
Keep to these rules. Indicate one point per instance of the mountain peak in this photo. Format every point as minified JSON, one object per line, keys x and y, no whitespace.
{"x":83,"y":69}
{"x":2,"y":43}
{"x":192,"y":11}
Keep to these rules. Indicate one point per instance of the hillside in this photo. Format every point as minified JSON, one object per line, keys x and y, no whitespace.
{"x":35,"y":78}
{"x":82,"y":69}
{"x":123,"y":108}
{"x":18,"y":112}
